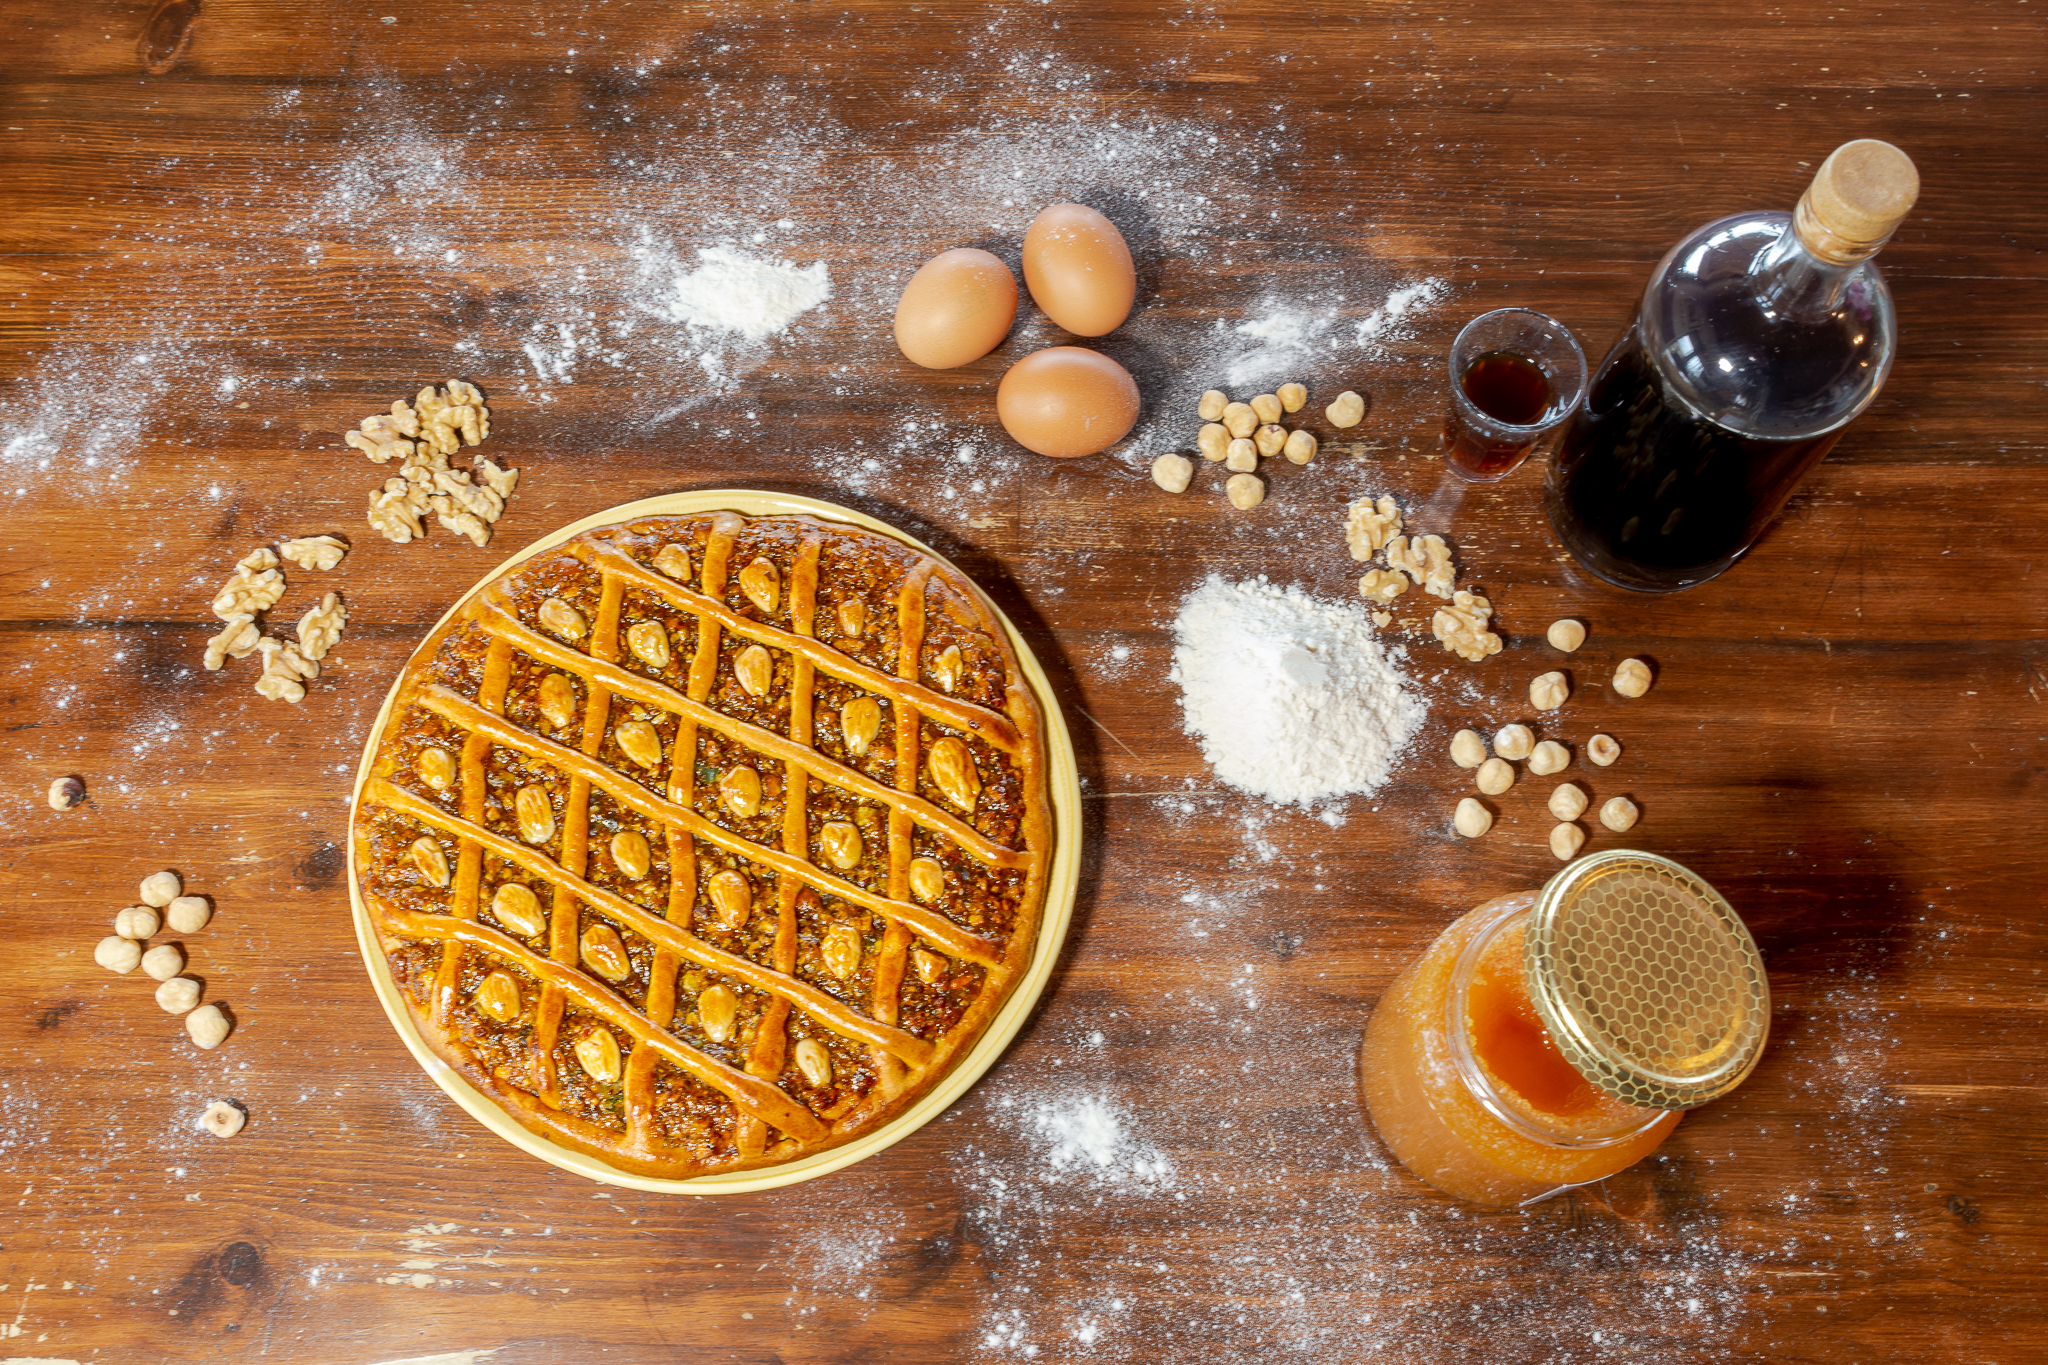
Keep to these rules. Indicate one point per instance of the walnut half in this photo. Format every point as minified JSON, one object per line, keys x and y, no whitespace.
{"x":248,"y":592}
{"x":284,"y":669}
{"x":314,"y":552}
{"x":320,"y":629}
{"x":1369,"y":526}
{"x":1427,"y":560}
{"x":392,"y":516}
{"x":237,"y":640}
{"x":1382,"y":585}
{"x":1462,"y":626}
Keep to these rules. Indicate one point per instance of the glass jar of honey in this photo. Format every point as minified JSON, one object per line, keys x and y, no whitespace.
{"x":1550,"y":1038}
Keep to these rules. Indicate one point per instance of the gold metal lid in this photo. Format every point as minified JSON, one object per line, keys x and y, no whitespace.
{"x":1647,"y":980}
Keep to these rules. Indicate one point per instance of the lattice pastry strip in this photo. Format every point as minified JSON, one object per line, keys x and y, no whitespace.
{"x":817,"y":1068}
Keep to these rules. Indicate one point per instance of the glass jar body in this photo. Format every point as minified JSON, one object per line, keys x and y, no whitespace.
{"x":1476,"y":1107}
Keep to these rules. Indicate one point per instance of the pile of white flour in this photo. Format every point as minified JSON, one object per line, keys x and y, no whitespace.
{"x":732,"y":292}
{"x":1292,"y":698}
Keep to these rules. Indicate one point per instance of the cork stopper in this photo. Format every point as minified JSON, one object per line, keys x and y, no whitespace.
{"x":1858,"y":197}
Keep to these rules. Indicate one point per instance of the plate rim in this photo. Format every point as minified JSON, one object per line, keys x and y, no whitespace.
{"x":1063,"y":795}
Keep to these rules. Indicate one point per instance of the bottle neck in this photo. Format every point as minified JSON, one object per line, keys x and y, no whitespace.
{"x":1793,"y":280}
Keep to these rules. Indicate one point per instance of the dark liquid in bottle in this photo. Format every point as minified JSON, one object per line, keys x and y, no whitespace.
{"x":1650,"y":495}
{"x":1510,"y":389}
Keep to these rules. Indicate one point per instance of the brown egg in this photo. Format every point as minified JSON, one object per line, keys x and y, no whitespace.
{"x":1079,"y":269}
{"x":957,"y":307}
{"x":1067,"y":400}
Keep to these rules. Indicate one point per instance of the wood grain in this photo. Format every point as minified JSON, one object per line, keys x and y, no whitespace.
{"x":1846,"y":735}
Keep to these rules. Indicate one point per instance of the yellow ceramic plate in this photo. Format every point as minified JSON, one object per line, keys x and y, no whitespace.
{"x":1063,"y":788}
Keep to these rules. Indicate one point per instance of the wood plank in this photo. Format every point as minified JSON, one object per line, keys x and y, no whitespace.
{"x":1845,"y":734}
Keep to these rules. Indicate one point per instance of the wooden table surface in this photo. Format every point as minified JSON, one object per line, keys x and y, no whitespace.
{"x":233,"y":229}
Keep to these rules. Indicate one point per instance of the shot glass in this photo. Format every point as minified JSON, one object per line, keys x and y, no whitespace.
{"x":1515,"y":375}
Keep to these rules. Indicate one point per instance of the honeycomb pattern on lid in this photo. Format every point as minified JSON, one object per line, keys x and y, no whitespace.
{"x":1647,"y":980}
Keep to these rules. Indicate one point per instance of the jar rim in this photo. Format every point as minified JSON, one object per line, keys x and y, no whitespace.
{"x":1475,"y":1077}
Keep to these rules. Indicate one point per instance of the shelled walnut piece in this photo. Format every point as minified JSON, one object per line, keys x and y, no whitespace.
{"x":320,"y":629}
{"x":256,"y":587}
{"x":313,"y":552}
{"x":1370,"y":525}
{"x":286,"y":671}
{"x":1375,"y":524}
{"x":1427,"y":560}
{"x":421,"y":437}
{"x":1462,"y":626}
{"x":1382,"y":585}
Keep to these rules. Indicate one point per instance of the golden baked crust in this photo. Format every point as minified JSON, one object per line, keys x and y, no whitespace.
{"x":737,"y":960}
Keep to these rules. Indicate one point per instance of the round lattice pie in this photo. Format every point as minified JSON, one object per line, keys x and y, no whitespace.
{"x":704,"y":843}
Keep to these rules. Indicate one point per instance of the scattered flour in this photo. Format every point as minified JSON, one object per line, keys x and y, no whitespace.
{"x":1089,"y":1135}
{"x":1300,"y":338}
{"x":731,"y":292}
{"x":1292,"y":698}
{"x":1391,"y":320}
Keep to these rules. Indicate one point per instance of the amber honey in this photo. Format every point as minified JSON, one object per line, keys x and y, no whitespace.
{"x":1549,"y":1039}
{"x":1474,"y":1096}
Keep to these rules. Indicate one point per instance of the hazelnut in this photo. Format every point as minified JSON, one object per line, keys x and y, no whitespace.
{"x":1619,"y":814}
{"x":137,"y":922}
{"x":1567,"y":802}
{"x":178,"y":994}
{"x":1514,"y":741}
{"x":1473,"y":818}
{"x":222,"y":1119}
{"x":117,"y":954}
{"x":188,"y":914}
{"x":1173,"y":472}
{"x":207,"y":1026}
{"x":1566,"y":635}
{"x":1547,"y":691}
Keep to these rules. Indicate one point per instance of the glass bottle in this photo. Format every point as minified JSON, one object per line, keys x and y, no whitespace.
{"x":1758,"y":339}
